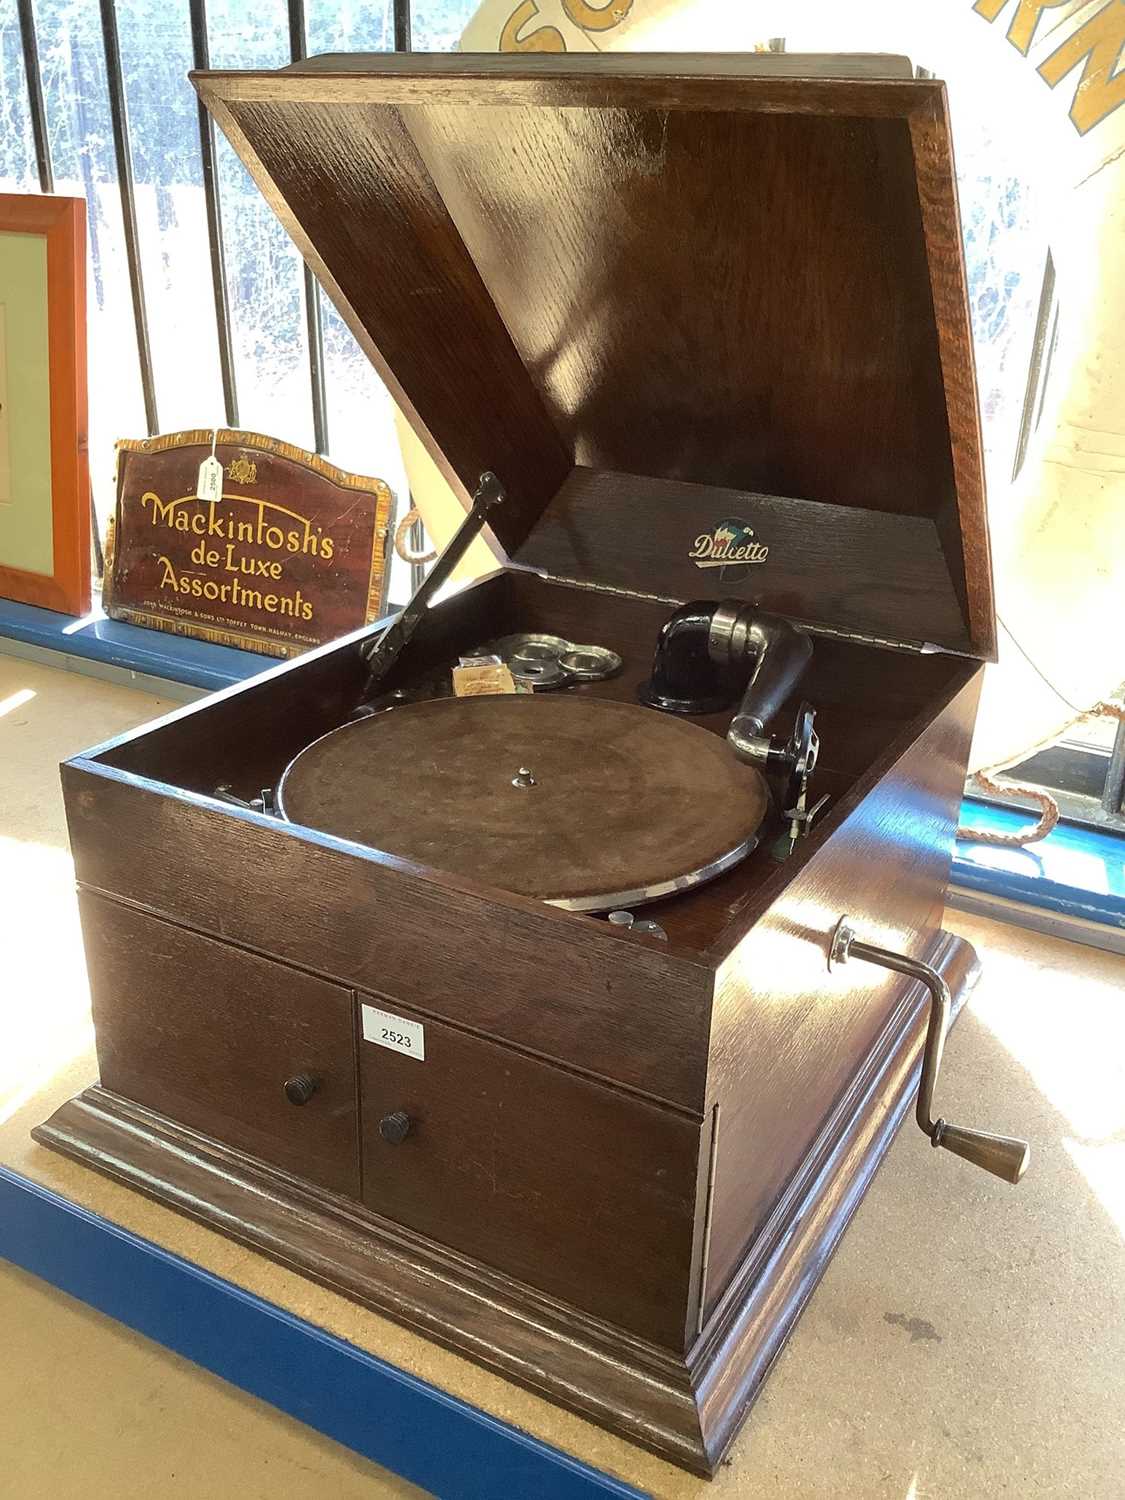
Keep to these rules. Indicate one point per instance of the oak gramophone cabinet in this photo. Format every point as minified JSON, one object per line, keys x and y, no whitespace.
{"x":705,"y":320}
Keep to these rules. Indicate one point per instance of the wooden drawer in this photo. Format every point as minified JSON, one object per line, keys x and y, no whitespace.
{"x":210,"y":1035}
{"x":585,"y":1193}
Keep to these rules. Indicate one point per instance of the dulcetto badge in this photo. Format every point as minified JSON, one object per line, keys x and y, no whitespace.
{"x":731,"y":544}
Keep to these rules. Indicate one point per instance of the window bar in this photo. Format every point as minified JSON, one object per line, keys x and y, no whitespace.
{"x":1113,"y":796}
{"x":1036,"y":368}
{"x":417,"y":542}
{"x":201,"y":58}
{"x":403,"y":43}
{"x":297,"y":50}
{"x":128,"y":205}
{"x":35,"y":96}
{"x":402,"y":26}
{"x":1045,"y":379}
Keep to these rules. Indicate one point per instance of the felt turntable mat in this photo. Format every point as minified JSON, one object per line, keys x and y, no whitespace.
{"x":624,"y":798}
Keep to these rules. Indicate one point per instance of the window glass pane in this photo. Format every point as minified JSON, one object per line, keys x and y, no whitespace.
{"x":360,"y":414}
{"x":1005,"y":256}
{"x":1005,"y":242}
{"x":72,"y":62}
{"x":436,"y":25}
{"x":248,"y":33}
{"x":349,"y":26}
{"x":264,"y":278}
{"x":361,"y":430}
{"x":264,"y":285}
{"x":361,"y":434}
{"x":264,"y":271}
{"x":171,"y":216}
{"x":17,"y":149}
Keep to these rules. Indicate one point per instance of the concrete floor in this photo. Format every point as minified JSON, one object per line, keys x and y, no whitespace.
{"x":968,"y":1339}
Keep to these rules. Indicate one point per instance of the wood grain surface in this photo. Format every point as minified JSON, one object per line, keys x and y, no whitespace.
{"x":803,"y":65}
{"x":661,"y":267}
{"x":866,"y":699}
{"x":687,"y":1409}
{"x":557,"y":1350}
{"x":734,"y":298}
{"x":749,"y":1326}
{"x":576,"y":1189}
{"x":557,"y":985}
{"x":210,"y":1036}
{"x":419,"y":310}
{"x":848,"y":568}
{"x":963,"y":515}
{"x":562,"y":1131}
{"x":786,"y":1035}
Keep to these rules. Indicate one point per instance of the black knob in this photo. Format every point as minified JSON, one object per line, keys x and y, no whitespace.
{"x":395,"y":1128}
{"x":301,"y":1088}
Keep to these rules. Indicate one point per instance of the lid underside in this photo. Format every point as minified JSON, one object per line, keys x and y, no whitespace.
{"x":614,"y":280}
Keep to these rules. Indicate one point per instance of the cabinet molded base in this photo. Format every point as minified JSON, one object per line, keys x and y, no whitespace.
{"x":686,"y":1408}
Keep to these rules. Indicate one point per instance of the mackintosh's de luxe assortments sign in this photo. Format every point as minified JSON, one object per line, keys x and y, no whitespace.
{"x":290,"y":554}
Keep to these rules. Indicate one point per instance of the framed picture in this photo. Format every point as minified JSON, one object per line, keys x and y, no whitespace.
{"x":44,"y":473}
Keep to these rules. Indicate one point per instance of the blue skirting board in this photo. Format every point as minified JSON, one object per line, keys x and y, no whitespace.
{"x":156,"y":653}
{"x":409,"y":1427}
{"x":1076,"y":871}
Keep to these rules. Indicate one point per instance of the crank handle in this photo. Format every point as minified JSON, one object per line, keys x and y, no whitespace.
{"x":1004,"y":1156}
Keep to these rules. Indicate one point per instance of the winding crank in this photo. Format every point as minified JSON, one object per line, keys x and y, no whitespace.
{"x":1004,"y":1156}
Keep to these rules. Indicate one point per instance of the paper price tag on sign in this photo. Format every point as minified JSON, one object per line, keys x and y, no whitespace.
{"x":209,"y":485}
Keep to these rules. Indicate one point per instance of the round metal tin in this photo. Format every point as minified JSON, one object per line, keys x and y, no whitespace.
{"x":590,"y":663}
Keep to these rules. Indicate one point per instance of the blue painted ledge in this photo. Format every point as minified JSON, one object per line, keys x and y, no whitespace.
{"x":412,"y":1428}
{"x":155,"y":652}
{"x":1078,"y":872}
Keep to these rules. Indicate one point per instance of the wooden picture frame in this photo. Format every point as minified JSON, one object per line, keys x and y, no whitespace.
{"x":64,"y":584}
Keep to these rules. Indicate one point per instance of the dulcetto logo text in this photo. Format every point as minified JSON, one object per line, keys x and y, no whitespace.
{"x":732,"y":543}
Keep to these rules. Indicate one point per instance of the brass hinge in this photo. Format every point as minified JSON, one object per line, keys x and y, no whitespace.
{"x":921,"y":648}
{"x":594,"y":588}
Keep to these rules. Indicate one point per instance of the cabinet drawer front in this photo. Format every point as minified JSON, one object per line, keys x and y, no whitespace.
{"x":210,"y":1036}
{"x":586,"y":1194}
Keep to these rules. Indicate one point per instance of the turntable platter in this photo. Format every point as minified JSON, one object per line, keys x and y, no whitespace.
{"x":583,"y":802}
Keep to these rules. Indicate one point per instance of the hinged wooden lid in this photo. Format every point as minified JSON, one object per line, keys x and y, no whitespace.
{"x":705,"y":316}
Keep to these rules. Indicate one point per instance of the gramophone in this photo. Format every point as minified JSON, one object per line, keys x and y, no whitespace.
{"x":551,"y":968}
